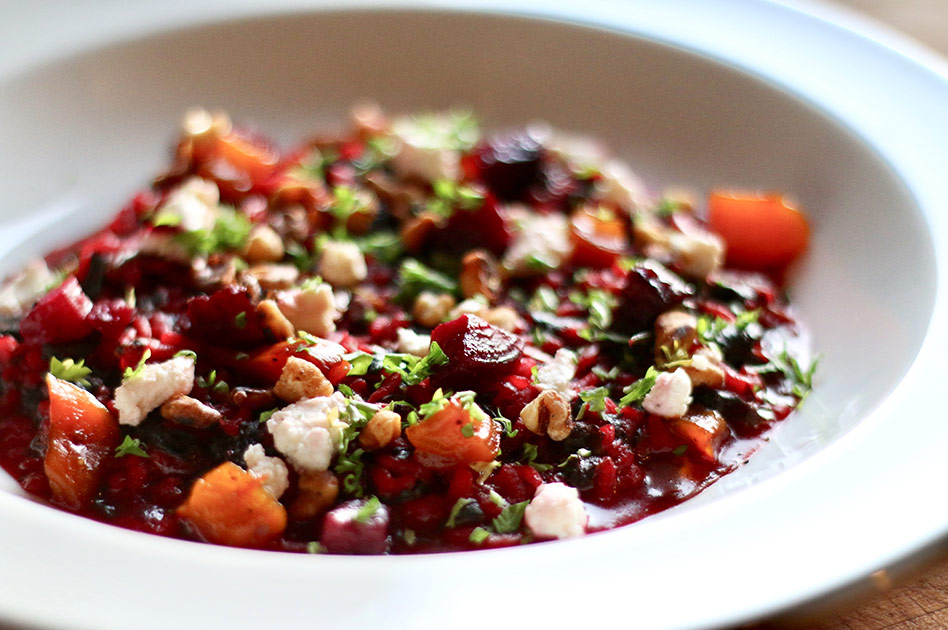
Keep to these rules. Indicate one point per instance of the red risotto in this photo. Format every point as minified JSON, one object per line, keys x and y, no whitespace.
{"x":410,"y":338}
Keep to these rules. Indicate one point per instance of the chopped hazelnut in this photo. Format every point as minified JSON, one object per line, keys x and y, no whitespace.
{"x":301,"y":379}
{"x":274,"y":276}
{"x":317,"y":492}
{"x":479,"y":275}
{"x":430,"y":309}
{"x":274,"y":320}
{"x":384,"y":427}
{"x":705,"y":369}
{"x":675,"y":331}
{"x":549,"y":413}
{"x":252,"y":398}
{"x":503,"y":317}
{"x":342,"y":264}
{"x":264,"y":245}
{"x":190,"y":412}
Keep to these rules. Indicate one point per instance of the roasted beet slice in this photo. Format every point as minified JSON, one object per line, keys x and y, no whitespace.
{"x":226,"y":317}
{"x":486,"y":227}
{"x":59,"y":316}
{"x":478,"y":352}
{"x":509,"y":164}
{"x":649,"y":291}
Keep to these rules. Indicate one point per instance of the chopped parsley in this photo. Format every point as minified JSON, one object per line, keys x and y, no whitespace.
{"x":530,"y":455}
{"x":508,"y":521}
{"x":414,"y":277}
{"x":638,"y":390}
{"x":70,"y":370}
{"x":130,"y":446}
{"x":351,"y":467}
{"x":240,"y":320}
{"x":450,"y":195}
{"x":230,"y":232}
{"x":459,"y":505}
{"x":479,"y":535}
{"x":595,"y":399}
{"x":130,"y":373}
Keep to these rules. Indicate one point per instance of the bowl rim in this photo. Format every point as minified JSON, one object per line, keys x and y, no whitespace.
{"x":852,"y":514}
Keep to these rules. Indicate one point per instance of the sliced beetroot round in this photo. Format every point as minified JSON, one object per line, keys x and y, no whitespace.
{"x":356,"y":527}
{"x":650,"y":290}
{"x":476,"y":351}
{"x":59,"y":316}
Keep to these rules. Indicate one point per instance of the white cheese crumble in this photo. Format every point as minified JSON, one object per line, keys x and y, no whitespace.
{"x":411,"y":342}
{"x":556,"y":511}
{"x":194,"y":204}
{"x":309,"y":432}
{"x":151,"y":386}
{"x":697,"y":252}
{"x":312,"y":310}
{"x":271,"y":471}
{"x":19,"y":293}
{"x":558,"y":372}
{"x":541,"y":241}
{"x":670,"y":395}
{"x":621,"y":186}
{"x":342,"y":264}
{"x":427,"y":149}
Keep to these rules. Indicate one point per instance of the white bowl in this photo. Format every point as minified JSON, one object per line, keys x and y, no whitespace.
{"x":733,"y":93}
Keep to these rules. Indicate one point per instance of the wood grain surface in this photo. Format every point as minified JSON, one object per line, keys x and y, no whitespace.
{"x":918,"y":600}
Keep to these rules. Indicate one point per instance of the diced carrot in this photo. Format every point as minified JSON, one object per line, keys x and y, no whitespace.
{"x":763,"y":232}
{"x":229,"y":506}
{"x":702,"y":432}
{"x":444,"y":434}
{"x":82,"y":433}
{"x":598,"y":238}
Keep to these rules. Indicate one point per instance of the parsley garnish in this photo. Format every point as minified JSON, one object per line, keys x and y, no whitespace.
{"x":508,"y":521}
{"x":450,"y":195}
{"x":265,"y":415}
{"x":384,"y":246}
{"x":638,"y":390}
{"x":459,"y":505}
{"x":188,"y":354}
{"x":414,"y":277}
{"x":240,"y":320}
{"x":595,"y":399}
{"x":230,"y":232}
{"x":130,"y":373}
{"x":412,"y":369}
{"x":351,"y":467}
{"x":680,"y":450}
{"x":467,"y":430}
{"x":530,"y":455}
{"x":479,"y":535}
{"x":130,"y":446}
{"x":314,"y":547}
{"x":211,"y":383}
{"x":69,"y":370}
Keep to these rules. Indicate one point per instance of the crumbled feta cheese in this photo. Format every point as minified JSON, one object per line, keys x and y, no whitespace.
{"x":312,"y":310}
{"x":309,"y":432}
{"x":697,"y":252}
{"x":18,"y":293}
{"x":429,"y":149}
{"x":271,"y":471}
{"x":556,"y":511}
{"x":411,"y":342}
{"x":541,"y":241}
{"x":195,"y":204}
{"x":621,"y":186}
{"x":558,"y":373}
{"x":670,"y":395}
{"x":151,"y":386}
{"x":342,"y":264}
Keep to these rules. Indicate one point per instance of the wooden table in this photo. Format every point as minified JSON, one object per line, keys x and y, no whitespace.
{"x":917,"y":600}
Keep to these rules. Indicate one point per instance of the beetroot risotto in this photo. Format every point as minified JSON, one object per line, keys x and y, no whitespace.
{"x":414,"y":337}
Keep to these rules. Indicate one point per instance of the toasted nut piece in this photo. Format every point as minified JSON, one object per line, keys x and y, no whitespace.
{"x":503,"y":317}
{"x":264,"y":245}
{"x":416,"y":230}
{"x":479,"y":275}
{"x":369,"y":119}
{"x":274,"y":320}
{"x":342,"y":264}
{"x":273,"y":276}
{"x":317,"y":492}
{"x":675,"y":331}
{"x":430,"y":309}
{"x":384,"y":427}
{"x":549,"y":414}
{"x":301,"y":379}
{"x":252,"y":398}
{"x":310,"y":310}
{"x":705,"y":369}
{"x":190,"y":412}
